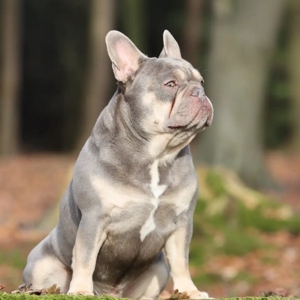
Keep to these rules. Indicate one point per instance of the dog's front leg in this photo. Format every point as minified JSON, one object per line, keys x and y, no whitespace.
{"x":177,"y":252}
{"x":89,"y":239}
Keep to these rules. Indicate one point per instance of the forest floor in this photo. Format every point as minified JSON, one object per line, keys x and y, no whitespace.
{"x":31,"y":185}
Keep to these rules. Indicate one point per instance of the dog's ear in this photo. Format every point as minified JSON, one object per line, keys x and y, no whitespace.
{"x":124,"y":55}
{"x":171,"y":47}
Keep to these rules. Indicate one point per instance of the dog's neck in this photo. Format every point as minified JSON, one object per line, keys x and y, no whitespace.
{"x":163,"y":147}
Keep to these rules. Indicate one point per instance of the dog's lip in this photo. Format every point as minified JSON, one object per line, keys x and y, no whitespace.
{"x":176,"y":127}
{"x":208,"y":122}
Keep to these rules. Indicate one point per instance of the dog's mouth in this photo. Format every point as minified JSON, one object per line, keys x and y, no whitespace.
{"x":195,"y":123}
{"x":188,"y":112}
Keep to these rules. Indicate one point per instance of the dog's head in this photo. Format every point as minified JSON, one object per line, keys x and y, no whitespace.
{"x":165,"y":95}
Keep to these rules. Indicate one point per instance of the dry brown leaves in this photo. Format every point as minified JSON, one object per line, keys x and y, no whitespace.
{"x":26,"y":289}
{"x":285,"y":168}
{"x":30,"y":185}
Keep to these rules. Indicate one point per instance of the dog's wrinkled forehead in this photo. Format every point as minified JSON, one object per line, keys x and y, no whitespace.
{"x":160,"y":69}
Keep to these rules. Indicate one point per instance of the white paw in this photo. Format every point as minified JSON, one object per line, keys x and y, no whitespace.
{"x":198,"y":295}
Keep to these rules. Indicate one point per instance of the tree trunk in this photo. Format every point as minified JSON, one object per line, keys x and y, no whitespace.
{"x":9,"y":76}
{"x":192,"y":31}
{"x":133,"y":21}
{"x":99,"y":67}
{"x":294,"y":70}
{"x":243,"y":37}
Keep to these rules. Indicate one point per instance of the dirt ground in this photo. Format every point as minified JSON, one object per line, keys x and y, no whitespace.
{"x":31,"y":185}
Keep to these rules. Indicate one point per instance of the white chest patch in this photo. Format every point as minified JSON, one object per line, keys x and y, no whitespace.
{"x":157,"y":191}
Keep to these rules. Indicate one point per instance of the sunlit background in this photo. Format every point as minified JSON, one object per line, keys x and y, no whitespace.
{"x":56,"y":77}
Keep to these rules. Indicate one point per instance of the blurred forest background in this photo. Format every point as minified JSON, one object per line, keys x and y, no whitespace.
{"x":56,"y":77}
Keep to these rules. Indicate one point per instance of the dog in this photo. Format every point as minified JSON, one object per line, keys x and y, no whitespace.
{"x":126,"y":218}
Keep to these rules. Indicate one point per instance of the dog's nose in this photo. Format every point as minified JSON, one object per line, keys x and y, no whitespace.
{"x":199,"y":93}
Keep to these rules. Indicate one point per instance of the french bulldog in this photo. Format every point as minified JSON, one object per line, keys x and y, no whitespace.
{"x":126,"y":218}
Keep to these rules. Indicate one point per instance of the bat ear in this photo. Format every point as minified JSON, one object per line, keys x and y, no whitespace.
{"x":124,"y":55}
{"x":171,"y":47}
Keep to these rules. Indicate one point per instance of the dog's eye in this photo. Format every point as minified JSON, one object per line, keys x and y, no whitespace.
{"x":202,"y":82}
{"x":171,"y":83}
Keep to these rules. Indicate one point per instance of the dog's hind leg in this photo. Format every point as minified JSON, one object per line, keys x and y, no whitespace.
{"x":44,"y":269}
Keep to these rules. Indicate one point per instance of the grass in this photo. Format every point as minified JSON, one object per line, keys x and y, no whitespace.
{"x":66,"y":297}
{"x":50,"y":297}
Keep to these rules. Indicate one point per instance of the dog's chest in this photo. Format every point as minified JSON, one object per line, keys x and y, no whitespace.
{"x":139,"y":230}
{"x":165,"y":198}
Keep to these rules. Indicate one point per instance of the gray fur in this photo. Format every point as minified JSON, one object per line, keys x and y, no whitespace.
{"x":134,"y":187}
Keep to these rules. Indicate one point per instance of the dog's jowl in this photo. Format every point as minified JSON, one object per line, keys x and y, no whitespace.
{"x":126,"y":218}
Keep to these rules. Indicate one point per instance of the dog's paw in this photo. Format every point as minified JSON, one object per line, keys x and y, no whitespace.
{"x":81,"y":286}
{"x":198,"y":295}
{"x":83,"y":293}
